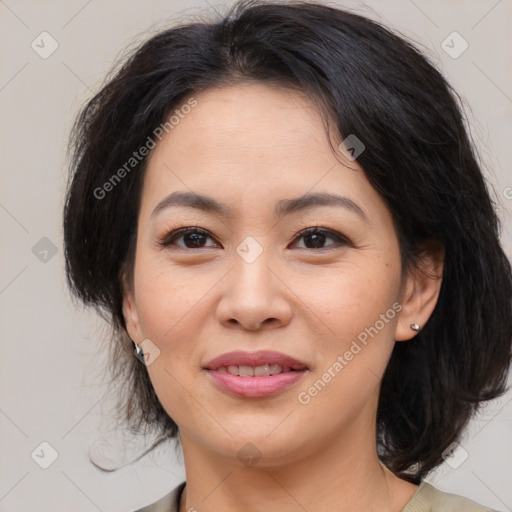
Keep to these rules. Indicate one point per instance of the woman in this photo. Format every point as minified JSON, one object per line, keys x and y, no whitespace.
{"x":281,"y":213}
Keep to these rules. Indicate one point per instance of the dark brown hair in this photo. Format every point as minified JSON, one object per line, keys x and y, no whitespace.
{"x":418,"y":156}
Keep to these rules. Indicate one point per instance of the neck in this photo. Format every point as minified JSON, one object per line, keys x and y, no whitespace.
{"x":340,"y":476}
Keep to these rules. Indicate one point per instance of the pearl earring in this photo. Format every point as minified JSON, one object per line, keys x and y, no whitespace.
{"x":415,"y":327}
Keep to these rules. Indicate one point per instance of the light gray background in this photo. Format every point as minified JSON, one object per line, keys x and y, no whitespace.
{"x":53,"y":387}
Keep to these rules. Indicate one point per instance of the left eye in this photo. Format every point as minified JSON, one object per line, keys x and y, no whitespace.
{"x":195,"y":238}
{"x":317,"y":237}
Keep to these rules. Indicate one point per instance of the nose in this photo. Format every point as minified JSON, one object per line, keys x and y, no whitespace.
{"x":254,"y":297}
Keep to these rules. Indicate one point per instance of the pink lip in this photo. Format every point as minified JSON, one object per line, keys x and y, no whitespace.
{"x":255,"y":387}
{"x":240,"y":358}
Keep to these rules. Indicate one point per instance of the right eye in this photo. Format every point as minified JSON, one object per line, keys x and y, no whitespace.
{"x":193,"y":238}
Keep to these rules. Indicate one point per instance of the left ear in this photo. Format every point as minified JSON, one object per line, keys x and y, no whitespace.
{"x":420,"y":290}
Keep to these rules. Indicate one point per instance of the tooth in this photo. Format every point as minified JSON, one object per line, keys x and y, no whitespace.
{"x":275,"y":368}
{"x":254,"y":371}
{"x":262,"y":371}
{"x":233,"y":370}
{"x":246,"y":371}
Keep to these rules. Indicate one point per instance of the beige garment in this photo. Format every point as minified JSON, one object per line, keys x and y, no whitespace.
{"x":169,"y":503}
{"x":426,"y":499}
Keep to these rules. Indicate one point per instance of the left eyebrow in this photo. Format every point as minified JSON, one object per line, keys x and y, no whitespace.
{"x":283,"y":207}
{"x":288,"y":206}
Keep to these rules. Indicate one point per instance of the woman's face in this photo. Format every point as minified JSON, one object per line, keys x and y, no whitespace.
{"x":330,"y":298}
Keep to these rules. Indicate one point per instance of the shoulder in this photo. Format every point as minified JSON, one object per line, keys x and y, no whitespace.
{"x":169,"y":503}
{"x":429,"y":499}
{"x":426,"y":499}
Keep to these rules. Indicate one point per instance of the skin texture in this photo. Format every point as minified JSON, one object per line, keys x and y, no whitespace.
{"x":250,"y":146}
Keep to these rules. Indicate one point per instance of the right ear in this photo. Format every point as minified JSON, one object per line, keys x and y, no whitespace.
{"x":130,"y":311}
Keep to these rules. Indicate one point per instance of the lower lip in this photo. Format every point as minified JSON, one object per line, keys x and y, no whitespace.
{"x":255,"y":387}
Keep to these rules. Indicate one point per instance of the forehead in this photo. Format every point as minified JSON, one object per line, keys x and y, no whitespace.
{"x":246,"y":118}
{"x":249,"y":140}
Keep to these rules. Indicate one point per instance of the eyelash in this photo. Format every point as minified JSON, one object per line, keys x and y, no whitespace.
{"x":172,"y":236}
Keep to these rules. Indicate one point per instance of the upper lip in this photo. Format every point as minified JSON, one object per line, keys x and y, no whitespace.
{"x":240,"y":358}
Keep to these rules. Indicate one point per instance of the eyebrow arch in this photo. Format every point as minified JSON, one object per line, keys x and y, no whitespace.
{"x":283,"y":207}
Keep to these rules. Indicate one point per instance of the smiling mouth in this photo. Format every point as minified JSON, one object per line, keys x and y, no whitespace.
{"x":244,"y":382}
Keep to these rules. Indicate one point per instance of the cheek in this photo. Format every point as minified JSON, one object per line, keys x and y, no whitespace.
{"x":357,"y":313}
{"x":169,"y":304}
{"x":349,"y":298}
{"x":169,"y":298}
